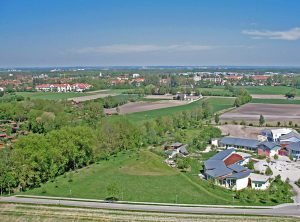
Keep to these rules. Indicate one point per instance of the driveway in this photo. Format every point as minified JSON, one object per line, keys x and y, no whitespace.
{"x":285,"y":168}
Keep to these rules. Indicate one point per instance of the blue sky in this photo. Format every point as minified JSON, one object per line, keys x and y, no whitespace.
{"x":149,"y":32}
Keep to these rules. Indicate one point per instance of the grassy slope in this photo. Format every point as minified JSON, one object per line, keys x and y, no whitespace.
{"x":140,"y":177}
{"x":217,"y":104}
{"x":275,"y":101}
{"x":50,"y":95}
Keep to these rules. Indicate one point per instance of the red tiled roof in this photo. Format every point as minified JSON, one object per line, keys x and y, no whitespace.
{"x":260,"y":77}
{"x":233,"y":158}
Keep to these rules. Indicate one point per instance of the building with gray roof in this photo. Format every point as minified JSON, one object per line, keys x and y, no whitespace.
{"x":294,"y":150}
{"x":233,"y":176}
{"x":249,"y":144}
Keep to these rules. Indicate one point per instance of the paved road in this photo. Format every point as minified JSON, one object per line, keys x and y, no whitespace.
{"x":288,"y":210}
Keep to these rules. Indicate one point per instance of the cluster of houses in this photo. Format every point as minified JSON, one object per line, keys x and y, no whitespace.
{"x":270,"y":142}
{"x":227,"y":168}
{"x":9,"y":132}
{"x":64,"y":87}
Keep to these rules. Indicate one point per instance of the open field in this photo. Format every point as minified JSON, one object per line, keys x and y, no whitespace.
{"x":50,"y":95}
{"x":144,"y":106}
{"x":29,"y":213}
{"x":271,"y":112}
{"x":216,"y":103}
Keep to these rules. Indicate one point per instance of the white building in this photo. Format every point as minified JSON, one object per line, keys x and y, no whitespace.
{"x":135,"y":75}
{"x":259,"y":182}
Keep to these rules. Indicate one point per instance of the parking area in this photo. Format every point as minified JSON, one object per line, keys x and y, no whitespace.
{"x":283,"y":166}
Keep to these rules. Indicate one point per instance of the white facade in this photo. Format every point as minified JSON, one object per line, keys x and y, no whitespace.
{"x":242,"y":183}
{"x":135,"y":75}
{"x":280,"y":132}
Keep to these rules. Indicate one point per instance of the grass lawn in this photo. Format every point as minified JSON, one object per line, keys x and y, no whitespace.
{"x":275,"y":101}
{"x":50,"y":95}
{"x":139,"y":176}
{"x":216,"y":103}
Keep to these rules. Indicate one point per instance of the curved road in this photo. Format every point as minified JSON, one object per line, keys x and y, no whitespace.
{"x":283,"y":210}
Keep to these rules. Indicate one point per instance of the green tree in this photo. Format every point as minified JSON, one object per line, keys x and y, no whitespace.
{"x":217,"y":118}
{"x":269,"y":171}
{"x":261,"y":120}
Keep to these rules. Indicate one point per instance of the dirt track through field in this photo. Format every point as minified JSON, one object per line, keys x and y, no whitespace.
{"x":275,"y":112}
{"x":144,"y":106}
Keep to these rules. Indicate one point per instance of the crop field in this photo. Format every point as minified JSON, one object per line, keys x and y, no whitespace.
{"x":30,"y":213}
{"x":145,"y":106}
{"x":50,"y":95}
{"x":216,"y":103}
{"x":271,"y":112}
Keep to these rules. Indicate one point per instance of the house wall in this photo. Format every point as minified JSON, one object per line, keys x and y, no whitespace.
{"x":242,"y":183}
{"x":262,"y":152}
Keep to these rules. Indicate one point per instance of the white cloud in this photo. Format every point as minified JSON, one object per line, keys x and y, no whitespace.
{"x":123,"y":48}
{"x":290,"y":35}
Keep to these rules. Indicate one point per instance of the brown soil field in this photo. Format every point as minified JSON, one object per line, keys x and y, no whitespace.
{"x":91,"y":97}
{"x":144,"y":106}
{"x":271,"y":112}
{"x":241,"y":131}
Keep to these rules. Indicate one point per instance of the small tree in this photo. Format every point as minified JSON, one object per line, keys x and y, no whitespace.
{"x":269,"y":172}
{"x":261,"y":120}
{"x":118,"y":109}
{"x":290,"y":123}
{"x":217,"y":118}
{"x":250,"y":165}
{"x":275,"y":157}
{"x":278,"y":123}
